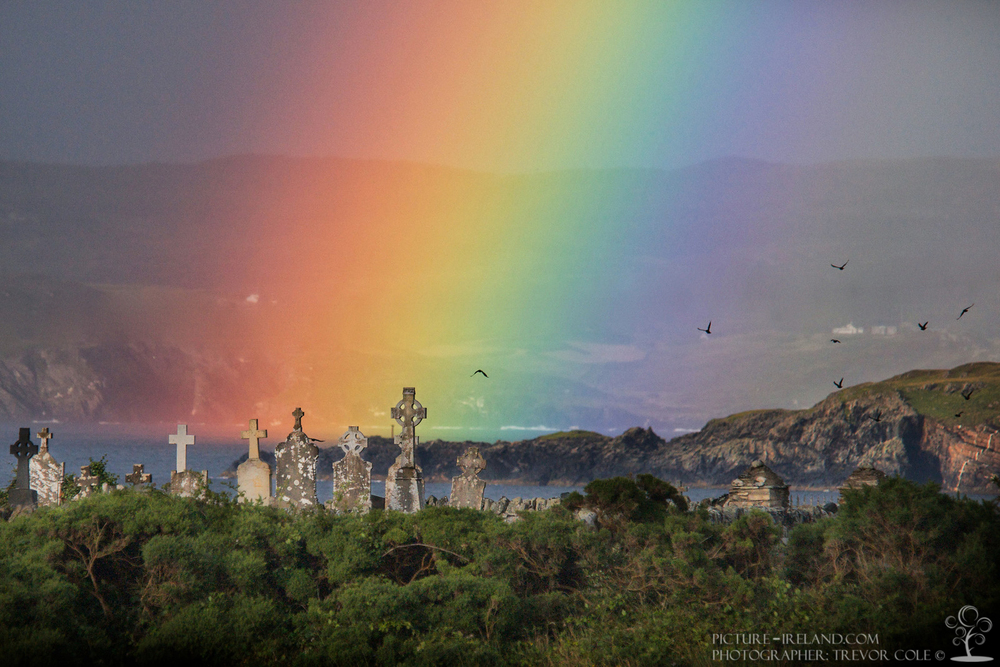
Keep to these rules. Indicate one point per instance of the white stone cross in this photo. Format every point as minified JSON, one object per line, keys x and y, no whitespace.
{"x":44,"y":435}
{"x":254,"y":435}
{"x":182,"y":440}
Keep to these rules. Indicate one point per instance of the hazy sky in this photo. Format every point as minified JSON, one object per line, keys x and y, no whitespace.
{"x":667,"y":84}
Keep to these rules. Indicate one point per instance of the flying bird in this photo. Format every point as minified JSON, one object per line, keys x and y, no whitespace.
{"x":959,"y":414}
{"x":967,"y":394}
{"x":707,"y":329}
{"x":964,"y":311}
{"x":834,"y":340}
{"x":839,"y":385}
{"x":480,"y":371}
{"x":877,"y":417}
{"x":841,"y":267}
{"x":923,"y":327}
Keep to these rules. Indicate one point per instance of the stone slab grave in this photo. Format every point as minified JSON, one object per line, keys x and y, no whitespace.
{"x":139,"y":478}
{"x":183,"y":482}
{"x":404,"y":483}
{"x":253,"y":476}
{"x":295,"y":468}
{"x":22,"y":495}
{"x":758,"y":486}
{"x":467,"y":489}
{"x":46,"y":475}
{"x":352,"y":475}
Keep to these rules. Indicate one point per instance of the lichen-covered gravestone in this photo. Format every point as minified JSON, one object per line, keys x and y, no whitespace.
{"x":139,"y":477}
{"x":22,"y":495}
{"x":87,"y":482}
{"x":183,"y":482}
{"x":253,"y":476}
{"x":46,"y":475}
{"x":467,"y":489}
{"x":352,"y":475}
{"x":295,"y":463}
{"x":404,"y":484}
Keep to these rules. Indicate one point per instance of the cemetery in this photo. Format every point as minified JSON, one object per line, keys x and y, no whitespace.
{"x":628,"y":572}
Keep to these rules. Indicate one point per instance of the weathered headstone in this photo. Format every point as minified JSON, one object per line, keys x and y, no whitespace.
{"x":253,"y":476}
{"x":22,"y":495}
{"x":404,"y":483}
{"x":87,"y":482}
{"x":295,"y":468}
{"x":183,"y":482}
{"x":467,"y":489}
{"x":138,"y":476}
{"x":352,"y":475}
{"x":46,"y":475}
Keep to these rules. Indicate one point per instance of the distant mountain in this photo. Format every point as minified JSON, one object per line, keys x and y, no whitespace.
{"x":906,"y":425}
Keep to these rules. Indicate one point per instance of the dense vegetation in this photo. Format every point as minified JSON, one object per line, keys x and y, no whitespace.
{"x":142,"y":577}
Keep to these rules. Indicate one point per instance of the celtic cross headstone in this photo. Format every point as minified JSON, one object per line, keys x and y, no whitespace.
{"x":352,"y":476}
{"x":253,"y":476}
{"x":404,"y":483}
{"x":22,"y":494}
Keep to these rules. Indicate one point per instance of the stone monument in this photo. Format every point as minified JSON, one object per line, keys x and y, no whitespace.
{"x":352,"y":475}
{"x":253,"y":476}
{"x":467,"y":489}
{"x":183,"y":482}
{"x":46,"y":475}
{"x":758,"y":486}
{"x":138,"y":476}
{"x":87,"y":482}
{"x":295,"y":463}
{"x":22,"y":495}
{"x":404,"y":483}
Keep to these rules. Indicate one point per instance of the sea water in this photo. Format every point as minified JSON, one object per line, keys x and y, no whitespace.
{"x":122,"y":446}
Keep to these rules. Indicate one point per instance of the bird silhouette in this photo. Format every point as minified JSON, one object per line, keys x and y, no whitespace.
{"x":834,"y":340}
{"x":839,"y":385}
{"x":877,"y":417}
{"x":959,"y":414}
{"x":923,"y":327}
{"x":964,"y":311}
{"x":841,"y":267}
{"x":967,"y":394}
{"x":707,"y":329}
{"x":480,"y":371}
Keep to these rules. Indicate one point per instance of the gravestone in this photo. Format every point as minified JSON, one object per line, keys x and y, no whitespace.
{"x":352,"y":475}
{"x":183,"y":482}
{"x":138,"y":476}
{"x":46,"y":475}
{"x":253,"y":476}
{"x":87,"y":482}
{"x":22,"y":495}
{"x":295,"y":468}
{"x":467,"y":489}
{"x":404,"y":483}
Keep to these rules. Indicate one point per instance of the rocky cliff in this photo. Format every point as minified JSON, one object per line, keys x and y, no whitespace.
{"x":919,"y":425}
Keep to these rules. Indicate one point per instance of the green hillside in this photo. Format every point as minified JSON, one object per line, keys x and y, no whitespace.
{"x":938,"y":393}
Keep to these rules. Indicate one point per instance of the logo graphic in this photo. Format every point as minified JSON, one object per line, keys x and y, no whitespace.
{"x":970,"y":628}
